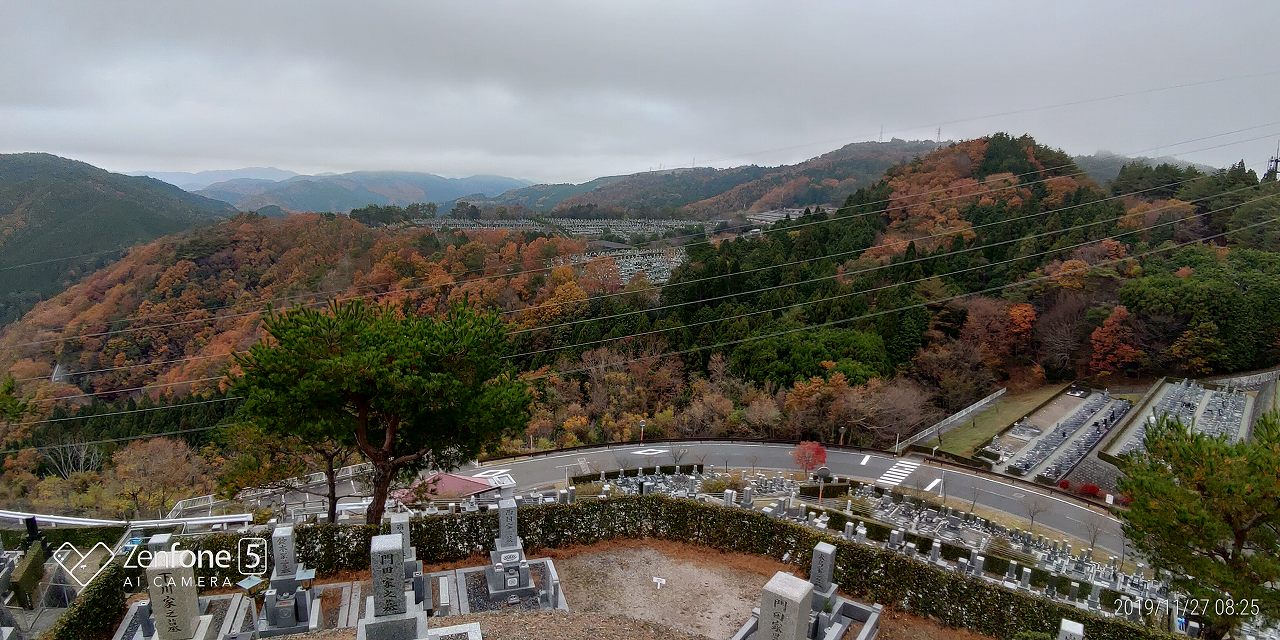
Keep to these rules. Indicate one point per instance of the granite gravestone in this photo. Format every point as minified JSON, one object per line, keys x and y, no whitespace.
{"x":784,"y":608}
{"x":1070,"y":630}
{"x":400,"y":525}
{"x":174,"y":603}
{"x":821,"y":568}
{"x":388,"y":615}
{"x":508,"y":569}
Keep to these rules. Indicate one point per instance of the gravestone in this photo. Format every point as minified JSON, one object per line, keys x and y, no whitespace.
{"x":175,"y":606}
{"x":821,"y":568}
{"x":935,"y":551}
{"x":287,"y":607}
{"x":388,"y":612}
{"x":401,"y":526}
{"x":1070,"y":630}
{"x":784,"y":608}
{"x":848,"y":531}
{"x":508,"y":570}
{"x":730,"y":498}
{"x":1026,"y":579}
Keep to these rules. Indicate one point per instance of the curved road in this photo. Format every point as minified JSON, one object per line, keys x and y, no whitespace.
{"x":1012,"y":497}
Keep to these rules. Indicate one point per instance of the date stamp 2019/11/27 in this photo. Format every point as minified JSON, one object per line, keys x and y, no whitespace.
{"x":1188,"y":606}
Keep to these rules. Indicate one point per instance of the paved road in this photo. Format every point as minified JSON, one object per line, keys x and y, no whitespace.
{"x":1006,"y":495}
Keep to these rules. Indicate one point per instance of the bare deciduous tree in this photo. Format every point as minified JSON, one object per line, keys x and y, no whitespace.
{"x":73,"y":455}
{"x":1035,"y":506}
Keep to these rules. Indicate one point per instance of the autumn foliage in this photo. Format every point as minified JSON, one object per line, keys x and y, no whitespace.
{"x":809,"y":455}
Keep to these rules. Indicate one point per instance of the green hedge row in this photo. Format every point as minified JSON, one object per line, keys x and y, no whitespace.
{"x":82,"y":537}
{"x":866,"y":573}
{"x":613,"y":475}
{"x":27,"y":574}
{"x":94,"y":613}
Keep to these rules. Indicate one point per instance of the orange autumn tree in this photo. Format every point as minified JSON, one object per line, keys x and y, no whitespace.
{"x":1113,"y":344}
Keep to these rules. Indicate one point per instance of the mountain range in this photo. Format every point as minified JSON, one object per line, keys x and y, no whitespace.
{"x":61,"y":219}
{"x":708,"y":192}
{"x":346,"y":191}
{"x":201,"y":179}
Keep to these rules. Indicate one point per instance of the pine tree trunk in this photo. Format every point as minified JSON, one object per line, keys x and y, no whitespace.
{"x":382,"y":477}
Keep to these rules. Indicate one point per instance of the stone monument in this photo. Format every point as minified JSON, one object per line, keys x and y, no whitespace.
{"x":400,"y":526}
{"x":1070,"y":630}
{"x":784,"y":608}
{"x":508,"y":571}
{"x":287,"y":607}
{"x":390,"y":614}
{"x":175,"y":606}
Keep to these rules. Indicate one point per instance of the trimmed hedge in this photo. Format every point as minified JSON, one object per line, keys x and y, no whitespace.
{"x":82,"y":537}
{"x":613,"y":475}
{"x":27,"y":575}
{"x":866,"y":573}
{"x":96,"y":612}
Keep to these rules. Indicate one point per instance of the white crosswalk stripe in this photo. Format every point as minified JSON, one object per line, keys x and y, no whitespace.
{"x":897,"y":473}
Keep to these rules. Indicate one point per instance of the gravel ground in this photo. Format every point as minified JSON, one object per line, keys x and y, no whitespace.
{"x":549,"y":625}
{"x":611,"y":594}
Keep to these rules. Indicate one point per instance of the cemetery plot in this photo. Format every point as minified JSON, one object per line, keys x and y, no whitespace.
{"x":656,"y":264}
{"x":1216,"y":411}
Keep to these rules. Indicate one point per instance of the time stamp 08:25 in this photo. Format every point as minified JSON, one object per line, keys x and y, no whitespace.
{"x":1190,"y":607}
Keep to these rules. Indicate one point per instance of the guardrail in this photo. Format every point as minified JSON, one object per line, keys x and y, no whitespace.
{"x":951,"y":421}
{"x":236,"y":518}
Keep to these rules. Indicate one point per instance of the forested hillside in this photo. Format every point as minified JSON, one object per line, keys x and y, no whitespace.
{"x":987,"y":263}
{"x":347,"y":191}
{"x":708,"y":193}
{"x":52,"y":208}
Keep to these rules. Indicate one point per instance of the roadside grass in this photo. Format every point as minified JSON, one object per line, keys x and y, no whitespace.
{"x":967,"y":438}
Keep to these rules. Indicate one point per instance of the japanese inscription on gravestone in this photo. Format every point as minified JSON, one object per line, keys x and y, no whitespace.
{"x":386,"y":560}
{"x":784,"y":608}
{"x":507,"y":537}
{"x":173,"y":598}
{"x":283,"y":551}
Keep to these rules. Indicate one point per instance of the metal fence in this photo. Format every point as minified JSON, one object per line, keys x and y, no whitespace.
{"x":951,"y":421}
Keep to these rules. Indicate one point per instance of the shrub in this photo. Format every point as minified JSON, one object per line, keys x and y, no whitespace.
{"x":1064,"y":484}
{"x":27,"y":575}
{"x":95,"y":612}
{"x":1090,"y":489}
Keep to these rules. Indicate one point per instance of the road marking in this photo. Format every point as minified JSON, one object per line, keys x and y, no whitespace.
{"x":649,"y":452}
{"x":864,"y":460}
{"x":897,"y":473}
{"x":492,"y":473}
{"x":933,"y":484}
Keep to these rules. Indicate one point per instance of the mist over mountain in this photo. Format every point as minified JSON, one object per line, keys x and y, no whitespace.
{"x":1104,"y":166}
{"x":347,"y":191}
{"x":201,"y":179}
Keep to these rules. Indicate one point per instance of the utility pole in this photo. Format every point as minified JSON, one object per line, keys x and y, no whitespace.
{"x":1273,"y":165}
{"x":939,"y":140}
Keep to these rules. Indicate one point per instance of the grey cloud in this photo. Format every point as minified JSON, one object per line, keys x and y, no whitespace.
{"x":571,"y":90}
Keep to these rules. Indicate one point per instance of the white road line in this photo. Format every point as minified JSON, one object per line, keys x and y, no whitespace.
{"x":933,"y":484}
{"x":897,"y":473}
{"x":865,"y":459}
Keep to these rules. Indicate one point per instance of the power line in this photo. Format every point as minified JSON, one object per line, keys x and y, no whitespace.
{"x":893,"y":285}
{"x":907,"y":307}
{"x":124,"y":439}
{"x":542,"y":269}
{"x":125,"y":411}
{"x":754,"y":270}
{"x":886,"y":265}
{"x":1021,"y":111}
{"x":51,"y":260}
{"x":820,"y":300}
{"x":926,"y":303}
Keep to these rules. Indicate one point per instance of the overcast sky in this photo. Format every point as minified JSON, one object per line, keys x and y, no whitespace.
{"x":557,"y":91}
